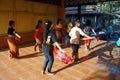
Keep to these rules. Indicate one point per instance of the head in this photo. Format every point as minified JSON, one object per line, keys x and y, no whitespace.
{"x":11,"y":23}
{"x":69,"y":20}
{"x":59,"y":21}
{"x":39,"y":22}
{"x":49,"y":25}
{"x":78,"y":23}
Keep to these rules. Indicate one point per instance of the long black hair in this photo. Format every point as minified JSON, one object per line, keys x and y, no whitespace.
{"x":11,"y":22}
{"x":46,"y":30}
{"x":39,"y":22}
{"x":59,"y":20}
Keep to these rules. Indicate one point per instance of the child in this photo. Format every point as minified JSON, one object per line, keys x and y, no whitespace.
{"x":12,"y":37}
{"x":88,"y":29}
{"x":75,"y":39}
{"x":38,"y":35}
{"x":49,"y":39}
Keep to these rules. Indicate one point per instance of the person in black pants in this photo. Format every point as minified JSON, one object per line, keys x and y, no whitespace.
{"x":49,"y":39}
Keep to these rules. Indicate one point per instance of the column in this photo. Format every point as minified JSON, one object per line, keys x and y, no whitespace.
{"x":62,"y":10}
{"x":79,"y":12}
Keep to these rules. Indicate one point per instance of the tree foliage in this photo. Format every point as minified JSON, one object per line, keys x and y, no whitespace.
{"x":110,"y":7}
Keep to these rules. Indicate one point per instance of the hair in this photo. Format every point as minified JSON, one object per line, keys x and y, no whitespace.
{"x":77,"y":21}
{"x":46,"y":30}
{"x":11,"y":22}
{"x":59,"y":20}
{"x":39,"y":21}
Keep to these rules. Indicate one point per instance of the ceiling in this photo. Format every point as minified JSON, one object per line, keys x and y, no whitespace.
{"x":71,"y":2}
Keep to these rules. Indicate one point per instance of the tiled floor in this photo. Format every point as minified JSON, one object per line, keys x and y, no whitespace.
{"x":100,"y":63}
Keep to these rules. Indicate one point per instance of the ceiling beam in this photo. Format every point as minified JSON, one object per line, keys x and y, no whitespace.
{"x":54,"y":2}
{"x":83,"y":2}
{"x":71,"y":2}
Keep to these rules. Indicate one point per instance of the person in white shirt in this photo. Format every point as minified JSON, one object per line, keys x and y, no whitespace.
{"x":75,"y":39}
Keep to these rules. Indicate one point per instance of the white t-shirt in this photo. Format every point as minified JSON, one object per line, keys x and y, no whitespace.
{"x":75,"y":35}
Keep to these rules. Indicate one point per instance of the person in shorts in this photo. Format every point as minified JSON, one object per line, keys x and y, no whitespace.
{"x":38,"y":36}
{"x":75,"y":39}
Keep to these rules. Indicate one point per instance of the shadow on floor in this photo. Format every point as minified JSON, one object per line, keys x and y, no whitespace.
{"x":97,"y":53}
{"x":112,"y":70}
{"x":30,"y":55}
{"x":99,"y":45}
{"x":20,"y":46}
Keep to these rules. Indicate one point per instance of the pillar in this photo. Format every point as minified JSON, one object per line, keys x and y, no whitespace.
{"x":62,"y":9}
{"x":79,"y":12}
{"x":95,"y":21}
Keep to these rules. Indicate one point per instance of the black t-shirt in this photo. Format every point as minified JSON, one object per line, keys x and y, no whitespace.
{"x":47,"y":48}
{"x":11,"y":31}
{"x":51,"y":37}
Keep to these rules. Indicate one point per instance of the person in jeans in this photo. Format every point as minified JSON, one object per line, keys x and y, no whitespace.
{"x":75,"y":39}
{"x":49,"y":39}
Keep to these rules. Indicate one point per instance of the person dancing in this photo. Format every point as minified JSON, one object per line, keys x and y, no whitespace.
{"x":49,"y":39}
{"x":75,"y":39}
{"x":88,"y":29}
{"x":38,"y":36}
{"x":12,"y":37}
{"x":59,"y":30}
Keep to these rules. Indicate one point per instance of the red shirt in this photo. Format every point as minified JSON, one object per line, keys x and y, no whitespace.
{"x":39,"y":33}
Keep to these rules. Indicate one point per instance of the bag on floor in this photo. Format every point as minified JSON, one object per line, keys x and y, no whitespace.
{"x":63,"y":57}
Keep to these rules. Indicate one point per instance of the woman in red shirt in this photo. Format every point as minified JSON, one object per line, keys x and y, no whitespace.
{"x":38,"y":35}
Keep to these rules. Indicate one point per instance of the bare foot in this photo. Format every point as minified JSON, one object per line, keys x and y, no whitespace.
{"x":51,"y":74}
{"x":43,"y":73}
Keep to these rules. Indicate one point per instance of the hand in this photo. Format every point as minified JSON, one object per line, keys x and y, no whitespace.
{"x":93,"y":38}
{"x":18,"y":39}
{"x":62,"y":51}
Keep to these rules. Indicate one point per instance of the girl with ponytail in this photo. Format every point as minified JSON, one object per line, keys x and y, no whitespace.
{"x":49,"y":39}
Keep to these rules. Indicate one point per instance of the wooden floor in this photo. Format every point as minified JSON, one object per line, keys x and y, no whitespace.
{"x":100,"y":63}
